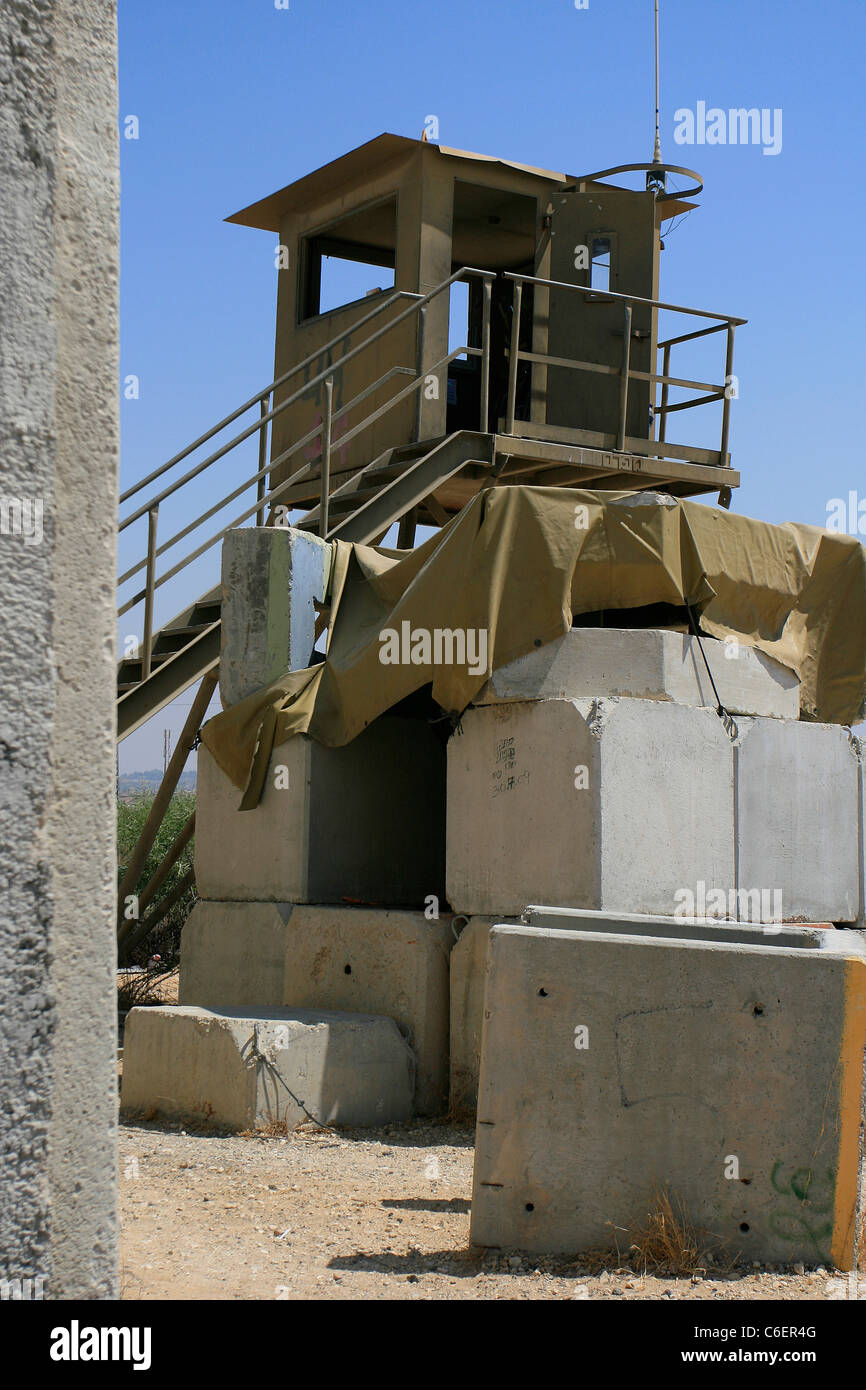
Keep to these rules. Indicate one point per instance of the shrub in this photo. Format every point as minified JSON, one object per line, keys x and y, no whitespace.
{"x":131,"y":816}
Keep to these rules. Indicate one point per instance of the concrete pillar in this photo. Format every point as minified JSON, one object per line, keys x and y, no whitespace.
{"x":58,"y":499}
{"x":270,"y":577}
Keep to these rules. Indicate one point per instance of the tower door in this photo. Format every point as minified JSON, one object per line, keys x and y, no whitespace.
{"x":604,"y":239}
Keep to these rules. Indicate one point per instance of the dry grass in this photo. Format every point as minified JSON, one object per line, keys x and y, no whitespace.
{"x":667,"y":1242}
{"x":274,"y":1129}
{"x":281,"y":1129}
{"x":137,"y":989}
{"x":664,"y":1243}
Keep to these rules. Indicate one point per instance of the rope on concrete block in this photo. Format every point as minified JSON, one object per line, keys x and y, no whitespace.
{"x":260,"y":1058}
{"x":727,"y":719}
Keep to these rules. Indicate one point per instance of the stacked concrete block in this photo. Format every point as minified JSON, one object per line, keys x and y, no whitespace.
{"x":595,"y":803}
{"x":617,"y":1068}
{"x":469,"y":959}
{"x":359,"y":823}
{"x":648,"y":664}
{"x":797,"y":819}
{"x":277,"y":1066}
{"x":468,"y":962}
{"x":812,"y":936}
{"x":272,"y":579}
{"x":360,"y":827}
{"x":597,"y":771}
{"x":635,"y":805}
{"x":256,"y":955}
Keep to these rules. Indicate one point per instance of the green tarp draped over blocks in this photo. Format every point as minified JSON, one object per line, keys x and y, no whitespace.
{"x":518,"y":563}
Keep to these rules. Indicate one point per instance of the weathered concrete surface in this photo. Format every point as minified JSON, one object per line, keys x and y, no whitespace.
{"x":468,"y":969}
{"x":648,"y":664}
{"x":652,"y":812}
{"x":732,"y":1075}
{"x":270,"y":955}
{"x":797,"y":817}
{"x":270,"y":577}
{"x":59,"y":450}
{"x":469,"y":964}
{"x":364,"y":822}
{"x":818,"y":936}
{"x":242,"y":1070}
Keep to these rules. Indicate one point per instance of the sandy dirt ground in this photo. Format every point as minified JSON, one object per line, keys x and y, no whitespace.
{"x":372,"y":1214}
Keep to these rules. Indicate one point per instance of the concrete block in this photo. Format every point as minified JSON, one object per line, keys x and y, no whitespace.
{"x":365,"y":822}
{"x":468,"y":966}
{"x":616,"y":1066}
{"x":648,"y":664}
{"x":612,"y":804}
{"x":797,"y":790}
{"x":270,"y":577}
{"x":469,"y":963}
{"x":347,"y":958}
{"x":242,"y":1070}
{"x":817,"y":936}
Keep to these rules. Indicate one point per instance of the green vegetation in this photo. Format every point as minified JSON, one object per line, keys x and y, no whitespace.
{"x":131,"y":816}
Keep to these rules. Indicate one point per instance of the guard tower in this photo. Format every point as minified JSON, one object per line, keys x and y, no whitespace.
{"x":446,"y":322}
{"x":501,"y":317}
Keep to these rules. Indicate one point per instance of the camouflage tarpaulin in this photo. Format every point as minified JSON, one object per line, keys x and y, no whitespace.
{"x":518,"y":563}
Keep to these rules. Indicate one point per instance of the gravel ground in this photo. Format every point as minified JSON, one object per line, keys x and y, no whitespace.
{"x":372,"y":1214}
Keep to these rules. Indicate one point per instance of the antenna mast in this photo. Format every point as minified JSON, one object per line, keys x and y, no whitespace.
{"x":657,"y":152}
{"x":656,"y":179}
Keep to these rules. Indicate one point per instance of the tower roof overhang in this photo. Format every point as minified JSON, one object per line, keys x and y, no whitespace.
{"x":364,"y":162}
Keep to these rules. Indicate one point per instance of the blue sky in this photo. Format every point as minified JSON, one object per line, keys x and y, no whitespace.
{"x":236,"y":98}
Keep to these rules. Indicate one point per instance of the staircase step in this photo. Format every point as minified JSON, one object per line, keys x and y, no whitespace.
{"x":189,"y":631}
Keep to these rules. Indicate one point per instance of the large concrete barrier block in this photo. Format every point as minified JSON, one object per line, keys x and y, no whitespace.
{"x":365,"y":822}
{"x":614,"y":1067}
{"x":798,"y":819}
{"x":809,"y":936}
{"x":271,"y":579}
{"x":613,"y":804}
{"x":648,"y":664}
{"x":350,"y":958}
{"x":469,"y":964}
{"x":243,"y":1069}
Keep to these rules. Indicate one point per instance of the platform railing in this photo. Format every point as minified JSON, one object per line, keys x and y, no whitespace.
{"x":726,"y":323}
{"x":156,"y":570}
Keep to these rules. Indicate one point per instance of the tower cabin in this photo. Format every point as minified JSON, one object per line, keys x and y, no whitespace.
{"x":449,"y":321}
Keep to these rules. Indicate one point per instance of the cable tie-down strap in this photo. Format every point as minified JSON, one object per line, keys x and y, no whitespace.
{"x":726,"y":717}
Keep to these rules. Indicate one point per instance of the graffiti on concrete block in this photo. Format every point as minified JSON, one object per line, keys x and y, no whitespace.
{"x":808,"y":1207}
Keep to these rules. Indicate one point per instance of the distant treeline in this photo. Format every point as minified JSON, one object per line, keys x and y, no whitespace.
{"x":137,"y":783}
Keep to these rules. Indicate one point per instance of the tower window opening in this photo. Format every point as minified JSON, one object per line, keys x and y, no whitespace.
{"x":600,"y":263}
{"x":349,"y":260}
